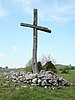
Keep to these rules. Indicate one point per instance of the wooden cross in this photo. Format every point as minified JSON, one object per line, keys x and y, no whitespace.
{"x":35,"y":28}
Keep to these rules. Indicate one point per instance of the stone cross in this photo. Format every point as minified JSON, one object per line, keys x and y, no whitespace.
{"x":35,"y":28}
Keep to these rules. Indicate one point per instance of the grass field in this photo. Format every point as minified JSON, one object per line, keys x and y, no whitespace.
{"x":11,"y":92}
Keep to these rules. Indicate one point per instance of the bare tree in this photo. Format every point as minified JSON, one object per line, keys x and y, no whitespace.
{"x":46,"y":58}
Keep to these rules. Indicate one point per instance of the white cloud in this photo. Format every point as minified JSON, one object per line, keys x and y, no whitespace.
{"x":63,"y":13}
{"x":3,"y":11}
{"x":2,"y":55}
{"x":26,"y":5}
{"x":14,"y":49}
{"x":59,"y":12}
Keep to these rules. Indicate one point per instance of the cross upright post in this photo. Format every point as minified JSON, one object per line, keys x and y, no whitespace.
{"x":34,"y":58}
{"x":35,"y":28}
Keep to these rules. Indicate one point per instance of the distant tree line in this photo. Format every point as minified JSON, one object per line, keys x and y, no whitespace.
{"x":65,"y":68}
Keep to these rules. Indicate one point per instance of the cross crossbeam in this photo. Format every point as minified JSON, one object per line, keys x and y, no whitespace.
{"x":35,"y":28}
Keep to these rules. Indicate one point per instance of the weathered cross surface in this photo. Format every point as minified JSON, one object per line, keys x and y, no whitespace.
{"x":35,"y":28}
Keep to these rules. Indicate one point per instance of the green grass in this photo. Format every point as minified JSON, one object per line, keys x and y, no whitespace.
{"x":37,"y":93}
{"x":8,"y":92}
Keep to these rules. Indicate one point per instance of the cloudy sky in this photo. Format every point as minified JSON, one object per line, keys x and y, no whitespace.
{"x":16,"y":42}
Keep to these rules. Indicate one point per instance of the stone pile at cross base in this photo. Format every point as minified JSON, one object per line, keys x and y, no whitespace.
{"x":43,"y":79}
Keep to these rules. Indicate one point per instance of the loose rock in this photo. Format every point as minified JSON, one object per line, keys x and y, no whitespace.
{"x":43,"y":79}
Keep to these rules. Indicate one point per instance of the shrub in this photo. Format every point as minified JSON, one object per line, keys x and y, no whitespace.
{"x":49,"y":66}
{"x":28,"y":68}
{"x":65,"y":70}
{"x":39,"y":65}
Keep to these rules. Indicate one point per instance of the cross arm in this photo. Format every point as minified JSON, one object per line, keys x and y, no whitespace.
{"x":37,"y":27}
